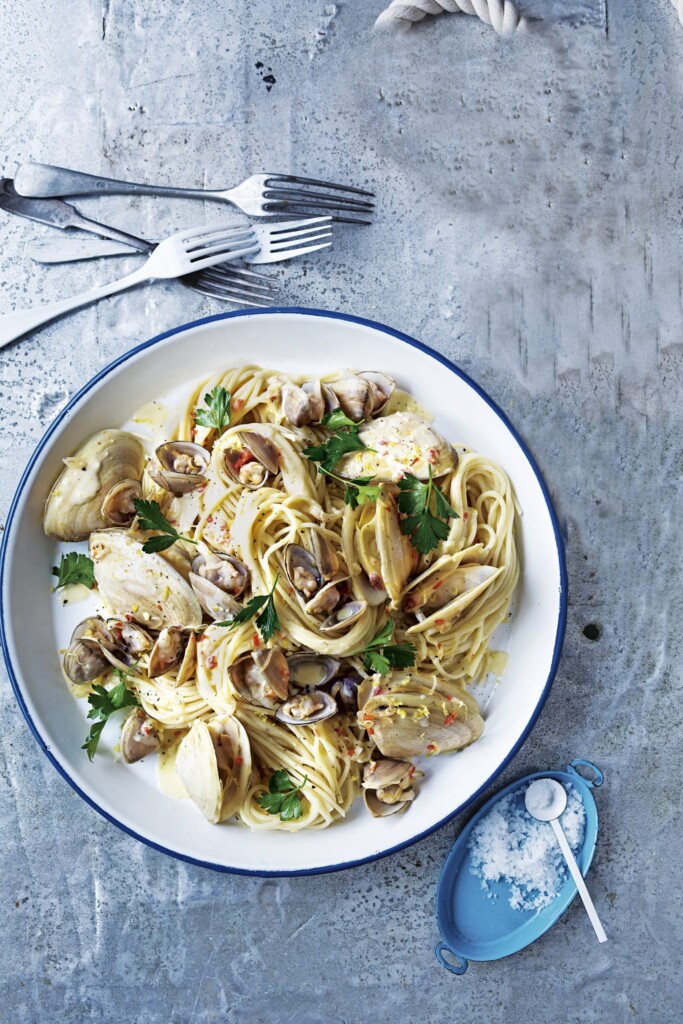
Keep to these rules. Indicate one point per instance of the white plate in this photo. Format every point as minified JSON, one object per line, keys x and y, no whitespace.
{"x":292,"y":340}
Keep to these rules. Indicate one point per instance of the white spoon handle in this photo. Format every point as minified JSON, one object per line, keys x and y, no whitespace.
{"x":578,"y":878}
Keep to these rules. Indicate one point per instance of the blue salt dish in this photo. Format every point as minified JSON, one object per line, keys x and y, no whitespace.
{"x":480,"y":925}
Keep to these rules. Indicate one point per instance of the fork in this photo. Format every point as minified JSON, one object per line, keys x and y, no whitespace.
{"x":261,"y":195}
{"x":187,"y":252}
{"x":237,"y":285}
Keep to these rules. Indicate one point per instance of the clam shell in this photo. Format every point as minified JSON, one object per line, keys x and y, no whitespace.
{"x":343,"y":616}
{"x":141,"y":585}
{"x":261,"y":677}
{"x":311,"y":671}
{"x":215,"y":602}
{"x":444,"y":592}
{"x":74,"y":506}
{"x":214,"y":764}
{"x":117,"y":507}
{"x":397,"y":556}
{"x":222,"y":570}
{"x":139,"y":736}
{"x":182,"y":466}
{"x":307,"y":708}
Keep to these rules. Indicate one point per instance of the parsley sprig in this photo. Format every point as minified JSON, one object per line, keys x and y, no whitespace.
{"x":357,"y":491}
{"x":381,"y":654}
{"x":103,"y":704}
{"x":150,"y":517}
{"x":216,"y":415}
{"x":424,"y":527}
{"x":267,"y":621}
{"x":283,"y":796}
{"x":74,"y":568}
{"x":343,"y":439}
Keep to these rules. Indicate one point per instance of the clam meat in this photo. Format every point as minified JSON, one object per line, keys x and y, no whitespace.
{"x":388,"y":786}
{"x":181,"y":467}
{"x":118,"y":508}
{"x":254,"y":462}
{"x":401,"y":443}
{"x":261,"y":677}
{"x":307,"y":708}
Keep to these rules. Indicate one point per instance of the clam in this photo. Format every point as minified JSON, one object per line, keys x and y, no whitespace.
{"x":139,"y":736}
{"x":387,"y":786}
{"x":355,"y":395}
{"x":84,"y":659}
{"x":254,"y":462}
{"x":302,"y":570}
{"x":303,"y":405}
{"x":181,"y":466}
{"x":343,"y":616}
{"x":117,"y":507}
{"x":382,"y":389}
{"x":397,"y":556}
{"x":345,"y":692}
{"x":141,"y":586}
{"x":326,"y":600}
{"x":168,"y":651}
{"x":261,"y":677}
{"x":311,"y":671}
{"x":370,"y":588}
{"x":224,"y":571}
{"x":214,"y":764}
{"x":402,"y":443}
{"x":445,"y":591}
{"x":74,"y":506}
{"x":215,"y":601}
{"x":307,"y":708}
{"x":414,"y":715}
{"x":326,"y":557}
{"x":128,"y":642}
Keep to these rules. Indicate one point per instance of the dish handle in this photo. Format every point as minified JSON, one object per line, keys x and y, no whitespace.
{"x":460,"y":965}
{"x":579,"y":762}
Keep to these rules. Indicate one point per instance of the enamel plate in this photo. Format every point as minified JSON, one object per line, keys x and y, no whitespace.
{"x":292,"y":340}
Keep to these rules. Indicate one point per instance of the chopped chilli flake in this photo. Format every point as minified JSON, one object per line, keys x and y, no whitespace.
{"x":256,"y":642}
{"x":239,"y":760}
{"x":212,"y":661}
{"x":449,"y":719}
{"x":242,"y":459}
{"x":511,"y":846}
{"x":439,"y":622}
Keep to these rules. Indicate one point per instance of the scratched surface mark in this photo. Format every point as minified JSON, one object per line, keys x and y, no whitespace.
{"x":529,"y":227}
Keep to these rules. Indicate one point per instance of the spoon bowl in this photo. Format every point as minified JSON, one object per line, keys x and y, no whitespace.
{"x":545,"y":799}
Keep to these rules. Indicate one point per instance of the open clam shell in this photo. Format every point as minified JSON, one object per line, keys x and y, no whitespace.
{"x":311,"y":671}
{"x":85,"y":659}
{"x":117,"y":507}
{"x":261,"y":677}
{"x":74,"y":506}
{"x":307,"y":708}
{"x":214,"y":764}
{"x":343,"y":616}
{"x":254,"y":462}
{"x":182,"y":466}
{"x":220,"y":606}
{"x":223,"y":570}
{"x":445,"y":591}
{"x":167,"y":652}
{"x":397,"y":556}
{"x":139,"y":736}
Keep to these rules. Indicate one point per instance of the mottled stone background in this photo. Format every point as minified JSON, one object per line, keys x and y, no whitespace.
{"x":529,"y":227}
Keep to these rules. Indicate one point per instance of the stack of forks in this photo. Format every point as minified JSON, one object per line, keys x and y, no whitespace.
{"x":202,"y":258}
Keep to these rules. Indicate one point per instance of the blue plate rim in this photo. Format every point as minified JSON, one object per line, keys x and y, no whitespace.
{"x":563,"y":775}
{"x":324,"y":314}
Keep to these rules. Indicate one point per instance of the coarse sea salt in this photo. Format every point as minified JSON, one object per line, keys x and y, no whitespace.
{"x":509,"y":845}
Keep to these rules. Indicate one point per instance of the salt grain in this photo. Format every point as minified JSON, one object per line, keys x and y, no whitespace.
{"x":509,"y":845}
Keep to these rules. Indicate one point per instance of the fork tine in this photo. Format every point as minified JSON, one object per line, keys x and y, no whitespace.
{"x":318,"y":199}
{"x":225,"y":227}
{"x":288,"y":254}
{"x":296,"y":180}
{"x":283,"y":244}
{"x":305,"y":222}
{"x":228,"y":294}
{"x":272,"y":209}
{"x":210,"y":258}
{"x":220,"y":278}
{"x":217,"y":237}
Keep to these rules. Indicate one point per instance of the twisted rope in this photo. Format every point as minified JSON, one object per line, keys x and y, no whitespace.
{"x":501,"y":14}
{"x":678,"y":4}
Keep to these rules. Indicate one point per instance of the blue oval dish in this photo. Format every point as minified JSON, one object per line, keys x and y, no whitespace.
{"x":475,"y":926}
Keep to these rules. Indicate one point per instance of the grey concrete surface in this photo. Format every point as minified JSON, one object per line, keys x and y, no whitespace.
{"x":529,"y":227}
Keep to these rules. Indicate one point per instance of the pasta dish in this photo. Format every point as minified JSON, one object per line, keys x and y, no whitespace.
{"x":296,"y":586}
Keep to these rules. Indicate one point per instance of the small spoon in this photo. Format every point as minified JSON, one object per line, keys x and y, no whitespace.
{"x":545,"y":800}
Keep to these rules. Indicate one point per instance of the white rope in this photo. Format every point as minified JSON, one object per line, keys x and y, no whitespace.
{"x":501,"y":14}
{"x":678,"y":4}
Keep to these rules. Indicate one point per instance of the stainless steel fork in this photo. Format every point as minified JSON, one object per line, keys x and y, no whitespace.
{"x":261,"y":195}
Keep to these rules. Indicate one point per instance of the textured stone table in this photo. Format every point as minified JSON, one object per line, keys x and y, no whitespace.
{"x":529,"y":227}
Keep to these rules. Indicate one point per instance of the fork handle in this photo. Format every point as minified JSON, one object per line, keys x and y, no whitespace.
{"x":13,"y":325}
{"x":43,"y":180}
{"x":104,"y":231}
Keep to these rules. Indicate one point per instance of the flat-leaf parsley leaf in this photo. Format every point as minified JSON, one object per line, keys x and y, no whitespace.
{"x":216,"y":415}
{"x":343,"y":439}
{"x":424,"y":527}
{"x":103,"y":703}
{"x":74,"y":568}
{"x":283,"y":796}
{"x":381,"y":654}
{"x":150,"y":517}
{"x":267,"y":621}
